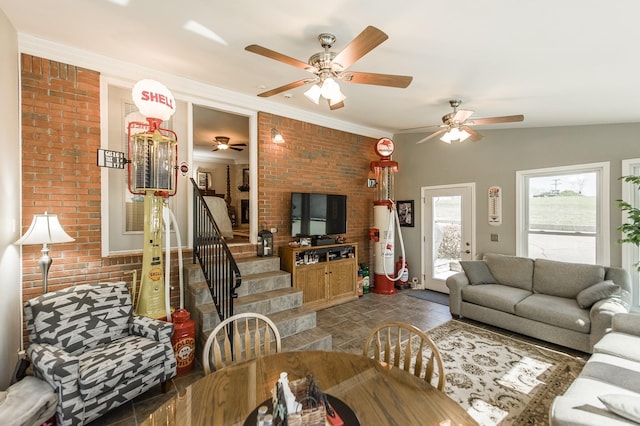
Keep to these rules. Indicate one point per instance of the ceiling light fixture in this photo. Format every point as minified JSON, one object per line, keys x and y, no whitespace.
{"x":328,"y":88}
{"x":455,"y":135}
{"x":223,"y":142}
{"x":276,"y":136}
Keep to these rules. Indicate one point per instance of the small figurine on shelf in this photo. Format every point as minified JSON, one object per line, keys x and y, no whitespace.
{"x":340,"y":239}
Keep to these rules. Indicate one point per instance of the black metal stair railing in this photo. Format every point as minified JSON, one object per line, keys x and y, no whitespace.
{"x":212,"y":253}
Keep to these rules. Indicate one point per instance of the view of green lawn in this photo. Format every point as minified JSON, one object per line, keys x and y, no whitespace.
{"x":563,"y":213}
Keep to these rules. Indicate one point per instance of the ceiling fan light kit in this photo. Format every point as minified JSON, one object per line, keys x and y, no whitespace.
{"x":456,"y":125}
{"x":329,"y":67}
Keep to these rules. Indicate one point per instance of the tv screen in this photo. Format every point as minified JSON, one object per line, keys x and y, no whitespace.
{"x":318,"y":214}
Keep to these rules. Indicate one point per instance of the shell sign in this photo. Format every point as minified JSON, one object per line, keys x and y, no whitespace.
{"x":153,"y":99}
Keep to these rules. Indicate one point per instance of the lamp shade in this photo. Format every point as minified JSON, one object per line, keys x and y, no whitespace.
{"x":45,"y":229}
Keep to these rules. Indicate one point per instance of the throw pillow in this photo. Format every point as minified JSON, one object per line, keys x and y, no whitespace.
{"x":477,"y":272}
{"x":627,"y":406}
{"x":590,"y":295}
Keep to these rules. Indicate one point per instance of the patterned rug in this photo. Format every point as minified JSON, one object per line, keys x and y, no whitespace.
{"x":501,"y":380}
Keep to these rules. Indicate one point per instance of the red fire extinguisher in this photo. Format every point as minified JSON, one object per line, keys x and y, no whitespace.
{"x":403,"y":282}
{"x":183,"y":340}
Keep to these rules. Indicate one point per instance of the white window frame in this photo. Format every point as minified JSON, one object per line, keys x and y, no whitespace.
{"x":602,"y":202}
{"x":631,"y":253}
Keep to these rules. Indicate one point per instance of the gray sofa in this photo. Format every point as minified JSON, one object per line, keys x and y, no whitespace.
{"x":569,"y":304}
{"x":607,"y":391}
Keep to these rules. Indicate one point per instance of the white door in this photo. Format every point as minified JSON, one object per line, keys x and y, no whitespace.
{"x":448,"y":224}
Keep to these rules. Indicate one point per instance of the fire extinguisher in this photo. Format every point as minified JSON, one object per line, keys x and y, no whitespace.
{"x":403,"y":282}
{"x":183,"y":340}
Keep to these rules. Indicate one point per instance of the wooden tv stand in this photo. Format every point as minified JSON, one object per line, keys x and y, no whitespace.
{"x":325,"y":274}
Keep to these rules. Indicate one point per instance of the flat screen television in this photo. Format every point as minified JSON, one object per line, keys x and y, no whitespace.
{"x":318,"y":214}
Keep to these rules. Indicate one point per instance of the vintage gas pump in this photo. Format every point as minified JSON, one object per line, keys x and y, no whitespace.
{"x":384,"y":218}
{"x":153,"y":171}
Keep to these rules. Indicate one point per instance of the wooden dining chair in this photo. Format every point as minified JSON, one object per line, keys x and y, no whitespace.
{"x":405,"y":346}
{"x":252,"y":335}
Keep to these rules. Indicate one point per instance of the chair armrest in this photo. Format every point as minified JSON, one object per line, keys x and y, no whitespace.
{"x":603,"y":311}
{"x":456,"y":283}
{"x":626,"y":323}
{"x":158,"y":330}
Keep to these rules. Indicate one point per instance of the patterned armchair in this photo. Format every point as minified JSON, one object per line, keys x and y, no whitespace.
{"x":87,"y":344}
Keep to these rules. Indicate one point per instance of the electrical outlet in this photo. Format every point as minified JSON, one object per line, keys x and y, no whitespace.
{"x":274,"y":230}
{"x":494,"y":237}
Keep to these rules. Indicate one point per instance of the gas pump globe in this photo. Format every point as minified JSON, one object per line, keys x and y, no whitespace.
{"x":265,"y":243}
{"x":382,"y":235}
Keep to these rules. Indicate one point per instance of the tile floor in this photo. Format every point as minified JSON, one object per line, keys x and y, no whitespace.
{"x":349,"y":325}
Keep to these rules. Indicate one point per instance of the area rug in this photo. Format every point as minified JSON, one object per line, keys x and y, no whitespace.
{"x":501,"y":380}
{"x":431,"y":296}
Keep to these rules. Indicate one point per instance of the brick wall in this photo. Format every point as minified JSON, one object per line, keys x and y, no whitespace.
{"x":314,"y":159}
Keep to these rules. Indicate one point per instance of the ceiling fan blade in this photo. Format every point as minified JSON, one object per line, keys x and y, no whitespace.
{"x":364,"y":43}
{"x":254,"y":48}
{"x":335,"y":106}
{"x":238,"y":144}
{"x":492,"y":120}
{"x":215,"y":148}
{"x":236,"y":149}
{"x":388,"y":80}
{"x":432,"y":126}
{"x":462,"y":115}
{"x":285,"y":88}
{"x":475,"y":136}
{"x":433,"y":135}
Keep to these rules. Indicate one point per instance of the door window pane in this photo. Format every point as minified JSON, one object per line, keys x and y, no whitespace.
{"x":447,"y":237}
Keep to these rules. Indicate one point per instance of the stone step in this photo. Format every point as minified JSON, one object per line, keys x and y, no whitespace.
{"x":293,"y":321}
{"x":256,"y":265}
{"x":269,"y":302}
{"x":313,"y":339}
{"x":264,"y":281}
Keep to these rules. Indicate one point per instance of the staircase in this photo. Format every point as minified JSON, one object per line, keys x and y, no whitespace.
{"x":265,"y":289}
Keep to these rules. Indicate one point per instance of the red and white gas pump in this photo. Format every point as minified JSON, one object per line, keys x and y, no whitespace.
{"x":385,"y":216}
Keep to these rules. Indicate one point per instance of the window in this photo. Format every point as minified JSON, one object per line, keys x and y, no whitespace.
{"x":563,"y":213}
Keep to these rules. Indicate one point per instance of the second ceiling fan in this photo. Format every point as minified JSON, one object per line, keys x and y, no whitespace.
{"x":221,"y":143}
{"x":328,"y":67}
{"x":456,"y":124}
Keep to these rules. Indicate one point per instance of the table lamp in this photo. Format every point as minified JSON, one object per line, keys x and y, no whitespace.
{"x":45,"y":229}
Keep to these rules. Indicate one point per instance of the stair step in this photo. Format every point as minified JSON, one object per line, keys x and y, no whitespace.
{"x":313,"y":339}
{"x":264,"y":281}
{"x":269,"y":302}
{"x":293,"y":321}
{"x":256,"y":265}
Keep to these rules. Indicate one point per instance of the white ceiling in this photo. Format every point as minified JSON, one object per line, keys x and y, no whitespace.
{"x":566,"y":62}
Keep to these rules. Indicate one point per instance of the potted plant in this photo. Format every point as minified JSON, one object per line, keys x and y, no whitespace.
{"x":630,"y":229}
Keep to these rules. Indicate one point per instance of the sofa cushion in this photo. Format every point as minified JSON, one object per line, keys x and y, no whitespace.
{"x":477,"y":272}
{"x":511,"y":270}
{"x":564,"y":279}
{"x":590,"y":295}
{"x":623,"y":373}
{"x":495,"y":296}
{"x":557,"y":311}
{"x":627,"y":406}
{"x":116,"y":362}
{"x":619,"y":344}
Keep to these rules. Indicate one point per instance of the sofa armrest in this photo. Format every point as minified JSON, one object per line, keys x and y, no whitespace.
{"x":602,"y":313}
{"x":61,"y":370}
{"x":626,"y":323}
{"x":456,"y":283}
{"x":154,"y":329}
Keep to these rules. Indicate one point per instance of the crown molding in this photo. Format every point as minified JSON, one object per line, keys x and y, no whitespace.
{"x":182,"y":88}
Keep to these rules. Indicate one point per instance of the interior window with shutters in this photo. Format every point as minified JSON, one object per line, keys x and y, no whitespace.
{"x":563,"y":213}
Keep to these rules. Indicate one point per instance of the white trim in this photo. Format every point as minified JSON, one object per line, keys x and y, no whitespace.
{"x":116,"y":69}
{"x":603,"y":249}
{"x":630,"y":253}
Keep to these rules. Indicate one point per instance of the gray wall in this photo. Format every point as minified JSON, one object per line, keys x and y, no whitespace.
{"x":494,"y":161}
{"x":10,"y":293}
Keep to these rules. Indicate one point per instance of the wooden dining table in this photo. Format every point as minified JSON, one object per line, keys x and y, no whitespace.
{"x":376,"y":393}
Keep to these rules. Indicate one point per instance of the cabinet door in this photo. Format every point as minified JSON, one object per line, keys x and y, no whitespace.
{"x":311,"y":279}
{"x":342,"y":278}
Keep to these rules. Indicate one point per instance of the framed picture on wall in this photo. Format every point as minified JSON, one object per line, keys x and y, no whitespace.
{"x":405,"y":212}
{"x":204,"y":180}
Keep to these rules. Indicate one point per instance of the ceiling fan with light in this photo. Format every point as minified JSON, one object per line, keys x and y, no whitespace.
{"x":456,"y":125}
{"x":221,"y":143}
{"x":328,"y":67}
